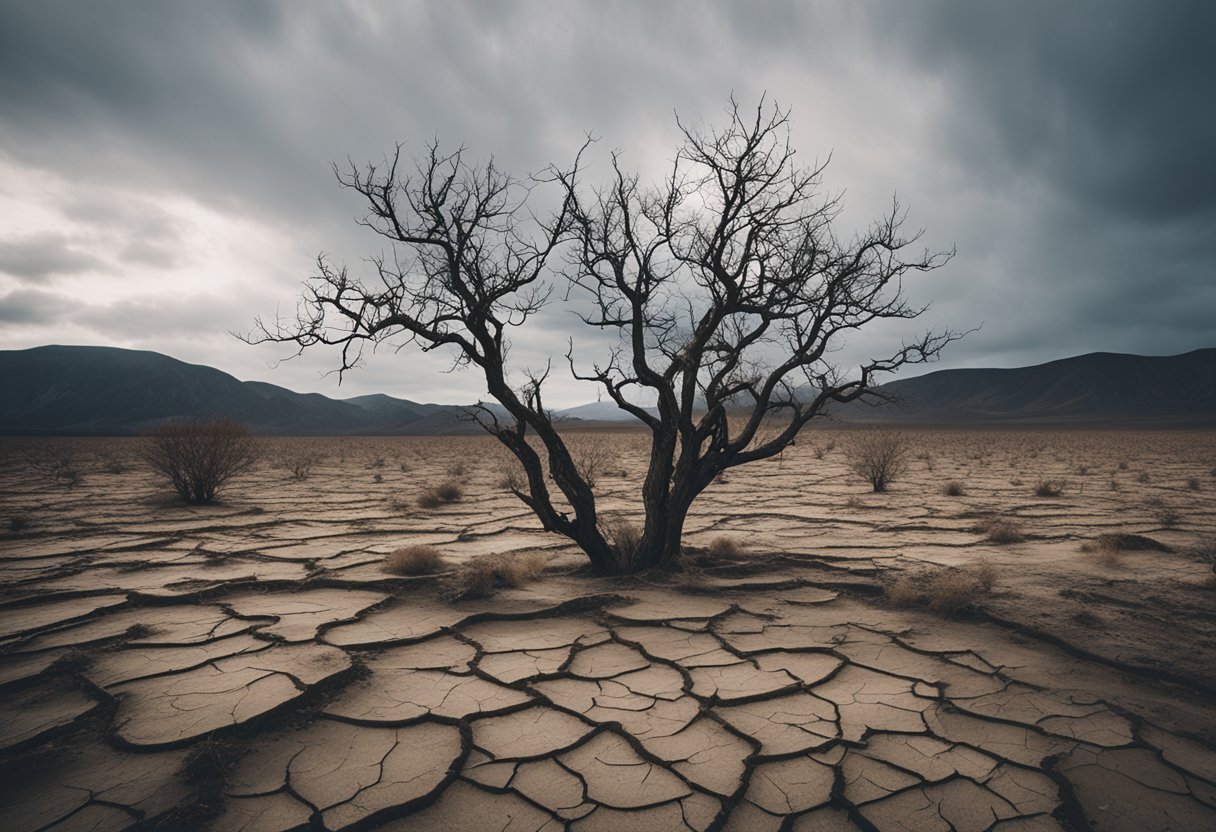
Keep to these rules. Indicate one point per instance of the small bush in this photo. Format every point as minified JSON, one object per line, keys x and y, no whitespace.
{"x":1192,"y":484}
{"x":417,"y":559}
{"x":1162,"y":512}
{"x":626,"y":540}
{"x":1122,"y":465}
{"x":903,"y":593}
{"x":1000,"y":531}
{"x":1142,"y":477}
{"x":198,"y":457}
{"x":1122,"y":542}
{"x":298,"y":462}
{"x":879,"y":458}
{"x":954,"y":488}
{"x":18,"y":523}
{"x":445,"y":492}
{"x":725,"y":547}
{"x":1049,"y":488}
{"x":479,"y":577}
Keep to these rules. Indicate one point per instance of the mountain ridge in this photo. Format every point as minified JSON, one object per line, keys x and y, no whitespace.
{"x":75,"y":390}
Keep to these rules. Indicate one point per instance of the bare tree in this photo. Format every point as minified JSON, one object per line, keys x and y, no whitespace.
{"x":725,"y":285}
{"x":198,"y":457}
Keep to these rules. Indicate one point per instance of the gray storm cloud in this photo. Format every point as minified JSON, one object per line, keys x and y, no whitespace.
{"x":164,"y":168}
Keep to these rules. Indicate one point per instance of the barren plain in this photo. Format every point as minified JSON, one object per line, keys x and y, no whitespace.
{"x":855,"y":661}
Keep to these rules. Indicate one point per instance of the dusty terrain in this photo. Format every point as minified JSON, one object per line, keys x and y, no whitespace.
{"x":251,"y":666}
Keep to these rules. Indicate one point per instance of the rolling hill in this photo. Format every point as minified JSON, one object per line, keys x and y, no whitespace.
{"x":110,"y":391}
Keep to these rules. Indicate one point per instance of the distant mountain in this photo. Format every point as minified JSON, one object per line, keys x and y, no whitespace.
{"x":1100,"y":388}
{"x":110,"y":391}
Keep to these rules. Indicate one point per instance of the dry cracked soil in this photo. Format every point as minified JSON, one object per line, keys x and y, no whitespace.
{"x":855,"y":661}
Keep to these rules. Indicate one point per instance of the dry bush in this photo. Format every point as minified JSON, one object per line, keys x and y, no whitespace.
{"x":626,"y":539}
{"x":879,"y":457}
{"x":479,"y":577}
{"x":199,"y":456}
{"x":904,"y":593}
{"x":954,"y":590}
{"x":725,"y":547}
{"x":298,"y":461}
{"x":112,"y":462}
{"x":996,"y":530}
{"x":416,"y":559}
{"x":1049,"y":488}
{"x":953,"y":488}
{"x":435,"y":496}
{"x":1192,"y":484}
{"x":18,"y":523}
{"x":57,"y":461}
{"x":1162,"y":512}
{"x":948,"y":591}
{"x":592,"y":455}
{"x":1205,"y":551}
{"x":1143,"y":477}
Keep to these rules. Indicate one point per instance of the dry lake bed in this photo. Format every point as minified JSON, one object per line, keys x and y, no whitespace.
{"x":1035,"y":651}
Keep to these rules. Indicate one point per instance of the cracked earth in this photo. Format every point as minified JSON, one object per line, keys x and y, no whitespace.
{"x":251,"y":666}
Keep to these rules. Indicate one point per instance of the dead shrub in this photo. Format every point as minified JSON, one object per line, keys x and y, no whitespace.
{"x":725,"y":547}
{"x":1192,"y":484}
{"x":416,"y":559}
{"x":199,"y":457}
{"x":480,"y":577}
{"x":996,"y":530}
{"x":949,"y":591}
{"x":1049,"y":488}
{"x":626,"y":539}
{"x":903,"y":593}
{"x":1162,"y":512}
{"x":298,"y":461}
{"x":954,"y":590}
{"x":953,"y":488}
{"x":879,"y":457}
{"x":438,"y":495}
{"x":18,"y":523}
{"x":592,"y":455}
{"x":1142,"y":477}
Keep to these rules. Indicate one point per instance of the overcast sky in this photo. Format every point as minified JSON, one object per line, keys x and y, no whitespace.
{"x":165,"y":166}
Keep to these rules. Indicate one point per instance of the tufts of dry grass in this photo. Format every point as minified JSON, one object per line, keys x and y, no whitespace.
{"x":1122,"y":542}
{"x":996,"y":530}
{"x":725,"y":547}
{"x":1049,"y":488}
{"x":626,"y":539}
{"x":446,"y":492}
{"x":948,"y":592}
{"x":1192,"y":484}
{"x":417,"y":559}
{"x":1162,"y":512}
{"x":480,"y":577}
{"x":953,"y":488}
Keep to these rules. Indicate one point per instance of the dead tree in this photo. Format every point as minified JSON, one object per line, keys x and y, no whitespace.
{"x":726,"y":286}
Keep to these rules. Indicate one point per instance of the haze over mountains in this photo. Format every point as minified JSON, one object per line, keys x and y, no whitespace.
{"x":110,"y":391}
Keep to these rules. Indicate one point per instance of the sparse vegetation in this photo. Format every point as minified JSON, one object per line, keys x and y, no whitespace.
{"x":1049,"y":488}
{"x":879,"y":457}
{"x":199,"y":457}
{"x":19,"y":523}
{"x":948,"y":591}
{"x":1123,"y":542}
{"x":480,"y":577}
{"x":1163,"y":512}
{"x":953,"y":488}
{"x":1193,"y":484}
{"x":438,"y":495}
{"x":298,"y":461}
{"x":416,"y":559}
{"x":996,"y":530}
{"x":725,"y":547}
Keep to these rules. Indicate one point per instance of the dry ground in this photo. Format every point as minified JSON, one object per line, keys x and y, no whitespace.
{"x":252,"y":666}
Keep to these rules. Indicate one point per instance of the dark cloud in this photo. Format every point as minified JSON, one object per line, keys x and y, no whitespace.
{"x":1065,"y":147}
{"x":36,"y":257}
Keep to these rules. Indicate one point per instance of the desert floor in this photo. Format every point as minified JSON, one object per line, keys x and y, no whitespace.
{"x":251,"y":665}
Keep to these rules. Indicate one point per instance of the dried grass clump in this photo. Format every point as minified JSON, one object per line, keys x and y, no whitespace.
{"x":955,"y":590}
{"x":626,"y":539}
{"x":1162,"y":512}
{"x":416,"y":559}
{"x":903,"y":593}
{"x":1049,"y":488}
{"x":18,"y":523}
{"x":480,"y":577}
{"x":445,"y":492}
{"x":1192,"y":484}
{"x":725,"y":547}
{"x":948,"y":592}
{"x":953,"y":488}
{"x":1205,"y":551}
{"x":999,"y":531}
